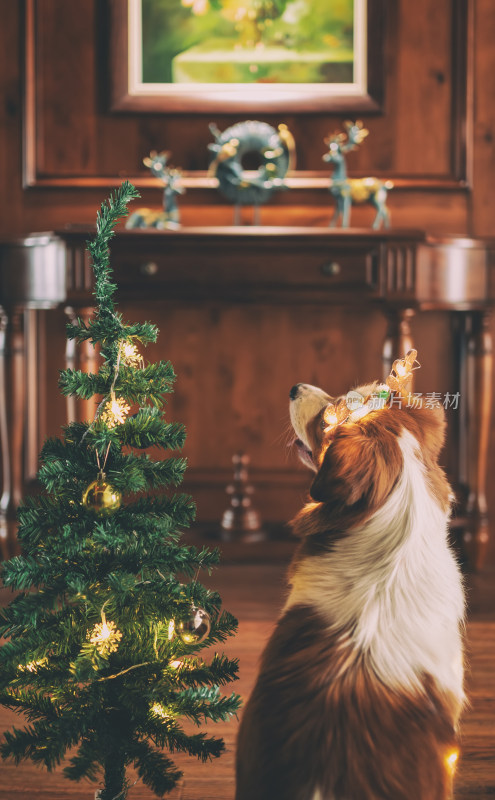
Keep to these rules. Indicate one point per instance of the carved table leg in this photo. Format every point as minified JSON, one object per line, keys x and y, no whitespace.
{"x":478,"y":394}
{"x":398,"y":338}
{"x":6,"y":476}
{"x":12,"y":417}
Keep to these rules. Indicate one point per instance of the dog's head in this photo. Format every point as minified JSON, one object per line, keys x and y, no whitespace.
{"x":352,"y":443}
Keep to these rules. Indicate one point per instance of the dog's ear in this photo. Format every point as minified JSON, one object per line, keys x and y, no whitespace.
{"x":359,"y":468}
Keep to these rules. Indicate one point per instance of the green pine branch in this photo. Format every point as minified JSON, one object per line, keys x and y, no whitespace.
{"x":172,"y":737}
{"x":205,"y":703}
{"x":136,"y":386}
{"x":156,"y":770}
{"x":110,"y":213}
{"x":98,"y":331}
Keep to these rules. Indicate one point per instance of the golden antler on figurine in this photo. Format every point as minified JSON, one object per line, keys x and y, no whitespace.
{"x":348,"y":191}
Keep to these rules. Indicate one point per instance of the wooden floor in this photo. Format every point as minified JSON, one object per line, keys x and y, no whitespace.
{"x":254,"y":593}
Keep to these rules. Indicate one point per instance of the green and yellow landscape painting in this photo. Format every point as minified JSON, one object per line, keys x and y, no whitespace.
{"x":248,"y":41}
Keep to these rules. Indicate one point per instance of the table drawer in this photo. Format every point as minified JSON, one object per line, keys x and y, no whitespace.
{"x":323,"y":271}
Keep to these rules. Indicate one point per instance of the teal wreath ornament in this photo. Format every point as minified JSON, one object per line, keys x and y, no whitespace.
{"x":273,"y":149}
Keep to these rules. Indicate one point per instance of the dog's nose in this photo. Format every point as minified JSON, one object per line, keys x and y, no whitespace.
{"x":294,"y":391}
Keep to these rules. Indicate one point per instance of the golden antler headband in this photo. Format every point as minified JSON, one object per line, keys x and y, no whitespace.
{"x":355,"y":406}
{"x":401,"y":371}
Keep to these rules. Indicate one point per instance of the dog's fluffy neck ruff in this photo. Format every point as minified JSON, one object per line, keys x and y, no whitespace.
{"x":392,"y":586}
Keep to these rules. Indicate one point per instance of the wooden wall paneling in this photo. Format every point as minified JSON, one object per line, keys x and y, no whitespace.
{"x":11,"y":94}
{"x":422,"y":104}
{"x":65,"y":87}
{"x":71,"y":104}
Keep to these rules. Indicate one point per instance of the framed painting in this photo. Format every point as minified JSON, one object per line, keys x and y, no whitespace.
{"x":230,"y":56}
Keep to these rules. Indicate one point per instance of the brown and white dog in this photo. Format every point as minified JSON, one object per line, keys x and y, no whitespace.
{"x":361,"y":683}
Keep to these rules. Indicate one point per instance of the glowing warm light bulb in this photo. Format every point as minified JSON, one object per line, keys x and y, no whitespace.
{"x":171,"y":629}
{"x":130,"y":355}
{"x":105,"y":637}
{"x":176,"y":664}
{"x":330,"y":416}
{"x":159,"y":711}
{"x":115,"y":412}
{"x":33,"y":665}
{"x":401,"y":371}
{"x":451,"y":759}
{"x":105,"y":632}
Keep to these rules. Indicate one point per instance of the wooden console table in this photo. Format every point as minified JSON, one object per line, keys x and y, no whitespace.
{"x":402,"y":272}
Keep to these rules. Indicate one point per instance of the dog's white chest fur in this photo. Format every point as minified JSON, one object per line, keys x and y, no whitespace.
{"x":394,"y":586}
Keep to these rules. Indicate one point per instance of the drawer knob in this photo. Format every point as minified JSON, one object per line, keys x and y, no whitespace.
{"x":331,"y":268}
{"x":149,"y":268}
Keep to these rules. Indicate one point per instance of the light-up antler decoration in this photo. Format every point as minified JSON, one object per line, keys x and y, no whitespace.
{"x":402,"y":370}
{"x":354,"y":407}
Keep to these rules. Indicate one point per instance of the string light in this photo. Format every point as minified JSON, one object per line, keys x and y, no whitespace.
{"x":451,"y":759}
{"x":105,"y":637}
{"x":171,"y":629}
{"x":158,"y":710}
{"x":115,"y":412}
{"x":33,"y":666}
{"x":335,"y":415}
{"x":130,"y":356}
{"x":356,"y":407}
{"x":176,"y":664}
{"x":402,"y":370}
{"x":330,"y":416}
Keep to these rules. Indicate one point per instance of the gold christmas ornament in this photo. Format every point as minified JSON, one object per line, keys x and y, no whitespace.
{"x":196,"y":628}
{"x":101,"y":497}
{"x":105,"y":637}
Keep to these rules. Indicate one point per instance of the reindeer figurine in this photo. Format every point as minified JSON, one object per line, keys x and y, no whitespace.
{"x":169,"y":217}
{"x":354,"y":190}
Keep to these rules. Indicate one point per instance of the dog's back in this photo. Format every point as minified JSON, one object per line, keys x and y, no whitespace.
{"x":360,"y":686}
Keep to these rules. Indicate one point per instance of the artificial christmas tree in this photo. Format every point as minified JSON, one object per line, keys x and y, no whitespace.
{"x":105,"y":631}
